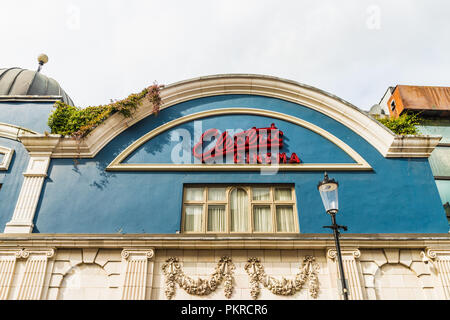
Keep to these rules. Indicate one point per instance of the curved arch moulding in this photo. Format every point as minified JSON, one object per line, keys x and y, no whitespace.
{"x":359,"y":165}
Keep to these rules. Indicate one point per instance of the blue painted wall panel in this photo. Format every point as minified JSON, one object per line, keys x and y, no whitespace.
{"x":308,"y":145}
{"x":11,"y":180}
{"x":399,"y":196}
{"x":29,"y":115}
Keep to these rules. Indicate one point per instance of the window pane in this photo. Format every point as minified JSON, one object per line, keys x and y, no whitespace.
{"x":194,"y":194}
{"x":239,"y":210}
{"x":193,"y":218}
{"x":216,"y":194}
{"x":439,"y":161}
{"x":444,"y":190}
{"x":285,"y":219}
{"x":261,"y":194}
{"x":436,"y":127}
{"x":216,"y":218}
{"x":262,"y":219}
{"x":283,"y":194}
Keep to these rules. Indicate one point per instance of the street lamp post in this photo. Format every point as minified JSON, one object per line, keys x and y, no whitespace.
{"x":328,"y":189}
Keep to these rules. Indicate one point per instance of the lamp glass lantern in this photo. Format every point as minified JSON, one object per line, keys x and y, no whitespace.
{"x":328,"y":189}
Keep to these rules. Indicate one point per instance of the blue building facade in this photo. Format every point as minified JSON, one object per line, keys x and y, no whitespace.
{"x":138,"y":178}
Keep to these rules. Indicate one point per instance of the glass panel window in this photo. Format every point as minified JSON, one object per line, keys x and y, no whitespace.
{"x":194,"y":194}
{"x":193,"y":218}
{"x":216,"y":218}
{"x":283,"y":194}
{"x":262,"y":219}
{"x":216,"y":194}
{"x":285,"y":219}
{"x":261,"y":194}
{"x":239,"y":210}
{"x":226,"y":209}
{"x":439,"y":162}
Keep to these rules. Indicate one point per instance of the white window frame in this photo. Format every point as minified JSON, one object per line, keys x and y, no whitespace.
{"x":7,"y":156}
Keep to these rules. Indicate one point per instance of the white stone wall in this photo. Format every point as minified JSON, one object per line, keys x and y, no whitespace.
{"x":98,"y":273}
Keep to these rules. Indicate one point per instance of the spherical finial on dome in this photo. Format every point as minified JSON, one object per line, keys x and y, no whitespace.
{"x":42,"y":58}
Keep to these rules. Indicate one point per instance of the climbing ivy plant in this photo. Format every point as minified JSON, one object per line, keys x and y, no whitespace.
{"x":405,"y":124}
{"x":78,"y":122}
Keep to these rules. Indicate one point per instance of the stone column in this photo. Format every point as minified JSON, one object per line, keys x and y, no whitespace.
{"x":441,"y":261}
{"x":22,"y":220}
{"x":351,"y":271}
{"x":7,"y":266}
{"x":32,"y":283}
{"x":135,"y":275}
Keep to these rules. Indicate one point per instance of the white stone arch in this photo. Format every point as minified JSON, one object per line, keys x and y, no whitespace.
{"x":381,"y":138}
{"x":86,"y":262}
{"x":360,"y":162}
{"x":86,"y":281}
{"x":395,"y":281}
{"x":396,"y":274}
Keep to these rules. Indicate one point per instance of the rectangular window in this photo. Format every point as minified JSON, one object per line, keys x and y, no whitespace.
{"x":239,"y":209}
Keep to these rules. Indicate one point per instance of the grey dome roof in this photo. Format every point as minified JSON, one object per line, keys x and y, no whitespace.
{"x":23,"y":82}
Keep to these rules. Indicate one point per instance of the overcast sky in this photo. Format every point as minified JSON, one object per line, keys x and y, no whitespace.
{"x":355,"y":49}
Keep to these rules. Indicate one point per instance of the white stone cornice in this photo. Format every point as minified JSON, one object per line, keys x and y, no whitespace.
{"x":387,"y":143}
{"x":412,"y":146}
{"x":30,"y":98}
{"x":12,"y":132}
{"x":40,"y":145}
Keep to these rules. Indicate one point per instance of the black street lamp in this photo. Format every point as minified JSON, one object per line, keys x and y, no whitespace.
{"x":328,"y":189}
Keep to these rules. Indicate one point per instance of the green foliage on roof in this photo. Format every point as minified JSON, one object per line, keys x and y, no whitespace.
{"x":77,"y":122}
{"x":404,"y":124}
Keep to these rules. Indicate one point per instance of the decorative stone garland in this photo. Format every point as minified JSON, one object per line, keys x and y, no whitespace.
{"x":200,"y":287}
{"x":284,"y":287}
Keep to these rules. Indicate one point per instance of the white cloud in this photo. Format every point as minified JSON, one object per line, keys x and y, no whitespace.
{"x":114,"y":48}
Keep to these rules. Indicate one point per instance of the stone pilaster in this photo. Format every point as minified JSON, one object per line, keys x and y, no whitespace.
{"x":22,"y":220}
{"x":136,"y":270}
{"x":32,"y":282}
{"x":441,"y":261}
{"x":351,"y":271}
{"x":7,"y":266}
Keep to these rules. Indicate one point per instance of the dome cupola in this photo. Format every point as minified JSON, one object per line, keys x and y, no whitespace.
{"x":17,"y":82}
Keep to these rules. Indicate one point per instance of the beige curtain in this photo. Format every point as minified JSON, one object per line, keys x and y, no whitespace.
{"x":193,"y":218}
{"x":239,"y":210}
{"x":262,"y":219}
{"x":285,"y":219}
{"x":283,"y":194}
{"x":194,"y":194}
{"x":216,"y":218}
{"x":216,"y":194}
{"x":261,"y":194}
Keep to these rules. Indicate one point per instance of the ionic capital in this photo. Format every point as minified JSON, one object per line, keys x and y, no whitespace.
{"x":148,"y":253}
{"x":345,"y":253}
